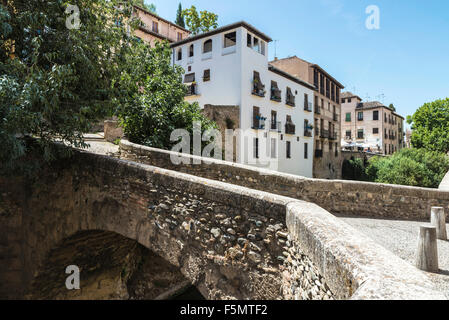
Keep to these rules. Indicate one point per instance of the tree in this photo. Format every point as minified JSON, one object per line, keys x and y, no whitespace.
{"x":392,"y":107}
{"x":152,"y":104}
{"x":200,"y":22}
{"x":57,"y":77}
{"x":180,"y":17}
{"x":430,"y":125}
{"x":412,"y":167}
{"x":142,"y":3}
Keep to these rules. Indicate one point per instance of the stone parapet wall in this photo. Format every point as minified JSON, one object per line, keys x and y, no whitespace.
{"x":230,"y":241}
{"x":339,"y":197}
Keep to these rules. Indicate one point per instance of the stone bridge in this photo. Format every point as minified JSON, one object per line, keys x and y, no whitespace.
{"x":122,"y":222}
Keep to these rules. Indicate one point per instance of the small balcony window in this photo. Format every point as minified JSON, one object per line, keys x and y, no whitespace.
{"x":307,"y":104}
{"x":191,"y":51}
{"x":230,"y":39}
{"x":207,"y":46}
{"x":375,"y":115}
{"x":275,"y":92}
{"x":360,"y":134}
{"x":360,"y":116}
{"x":179,"y":54}
{"x":290,"y":128}
{"x":258,"y":120}
{"x":206,"y":75}
{"x":258,"y":86}
{"x":289,"y":150}
{"x":290,"y":98}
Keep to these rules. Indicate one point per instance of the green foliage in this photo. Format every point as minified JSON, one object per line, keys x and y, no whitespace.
{"x":430,"y":125}
{"x":201,"y":22}
{"x":412,"y":167}
{"x":54,"y":81}
{"x":180,"y":17}
{"x":392,"y":107}
{"x":142,"y":3}
{"x":153,"y":105}
{"x":354,"y":169}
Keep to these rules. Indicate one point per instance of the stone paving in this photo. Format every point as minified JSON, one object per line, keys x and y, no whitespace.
{"x":401,"y":238}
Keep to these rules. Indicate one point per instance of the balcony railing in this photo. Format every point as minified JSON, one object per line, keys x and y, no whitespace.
{"x":333,"y":135}
{"x":290,"y":128}
{"x":275,"y":95}
{"x":308,"y":133}
{"x":192,"y":90}
{"x":308,"y":106}
{"x":276,"y":126}
{"x":290,"y":101}
{"x":258,"y":89}
{"x":259,"y":122}
{"x":324,"y":134}
{"x":318,"y":153}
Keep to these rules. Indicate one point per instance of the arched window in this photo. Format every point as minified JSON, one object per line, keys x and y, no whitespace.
{"x":207,"y":47}
{"x":191,"y":51}
{"x":179,"y":54}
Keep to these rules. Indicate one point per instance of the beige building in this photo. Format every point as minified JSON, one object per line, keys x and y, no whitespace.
{"x":370,"y":125}
{"x":327,"y":162}
{"x":154,"y":28}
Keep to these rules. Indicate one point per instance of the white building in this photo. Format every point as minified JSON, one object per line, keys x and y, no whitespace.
{"x":229,"y":67}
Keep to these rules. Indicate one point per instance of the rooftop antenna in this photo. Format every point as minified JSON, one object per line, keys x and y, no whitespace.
{"x":367,"y":97}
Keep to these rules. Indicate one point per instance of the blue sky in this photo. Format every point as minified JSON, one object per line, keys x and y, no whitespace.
{"x":406,"y":60}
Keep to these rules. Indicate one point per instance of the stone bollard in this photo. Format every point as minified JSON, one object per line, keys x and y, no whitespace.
{"x":427,"y":256}
{"x":438,"y":220}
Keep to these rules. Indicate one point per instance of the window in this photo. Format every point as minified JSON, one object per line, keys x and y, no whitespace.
{"x":179,"y":54}
{"x":306,"y":102}
{"x":360,"y":134}
{"x":206,"y":76}
{"x":256,"y":148}
{"x":275,"y":92}
{"x":348,"y":134}
{"x":375,"y":130}
{"x":274,"y":120}
{"x":290,"y":98}
{"x":375,"y":115}
{"x":249,"y":41}
{"x":288,"y":155}
{"x":191,"y":52}
{"x":189,"y":78}
{"x":262,"y":48}
{"x":155,"y":27}
{"x":273,"y":148}
{"x":349,"y":100}
{"x":207,"y":47}
{"x":360,"y":116}
{"x":256,"y":117}
{"x":230,"y":39}
{"x":179,"y":36}
{"x":330,"y":146}
{"x":306,"y":150}
{"x":256,"y":44}
{"x":348,"y":117}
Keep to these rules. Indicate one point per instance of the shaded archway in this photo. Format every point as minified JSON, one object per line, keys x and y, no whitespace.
{"x":111,"y":267}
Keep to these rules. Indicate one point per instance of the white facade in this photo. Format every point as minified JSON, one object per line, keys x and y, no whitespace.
{"x":232,"y":64}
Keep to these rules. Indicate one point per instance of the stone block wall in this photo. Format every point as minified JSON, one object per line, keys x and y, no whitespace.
{"x":229,"y":241}
{"x":349,"y":198}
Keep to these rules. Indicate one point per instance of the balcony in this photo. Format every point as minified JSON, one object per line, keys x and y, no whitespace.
{"x":317,"y":109}
{"x":307,"y":106}
{"x":290,"y":128}
{"x":192,"y":89}
{"x":335,"y":117}
{"x":308,"y":133}
{"x":259,"y":122}
{"x":317,"y":131}
{"x":360,"y":137}
{"x":318,"y":153}
{"x":275,"y":95}
{"x":333,"y":135}
{"x":324,"y":134}
{"x":258,"y":89}
{"x":276,"y":126}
